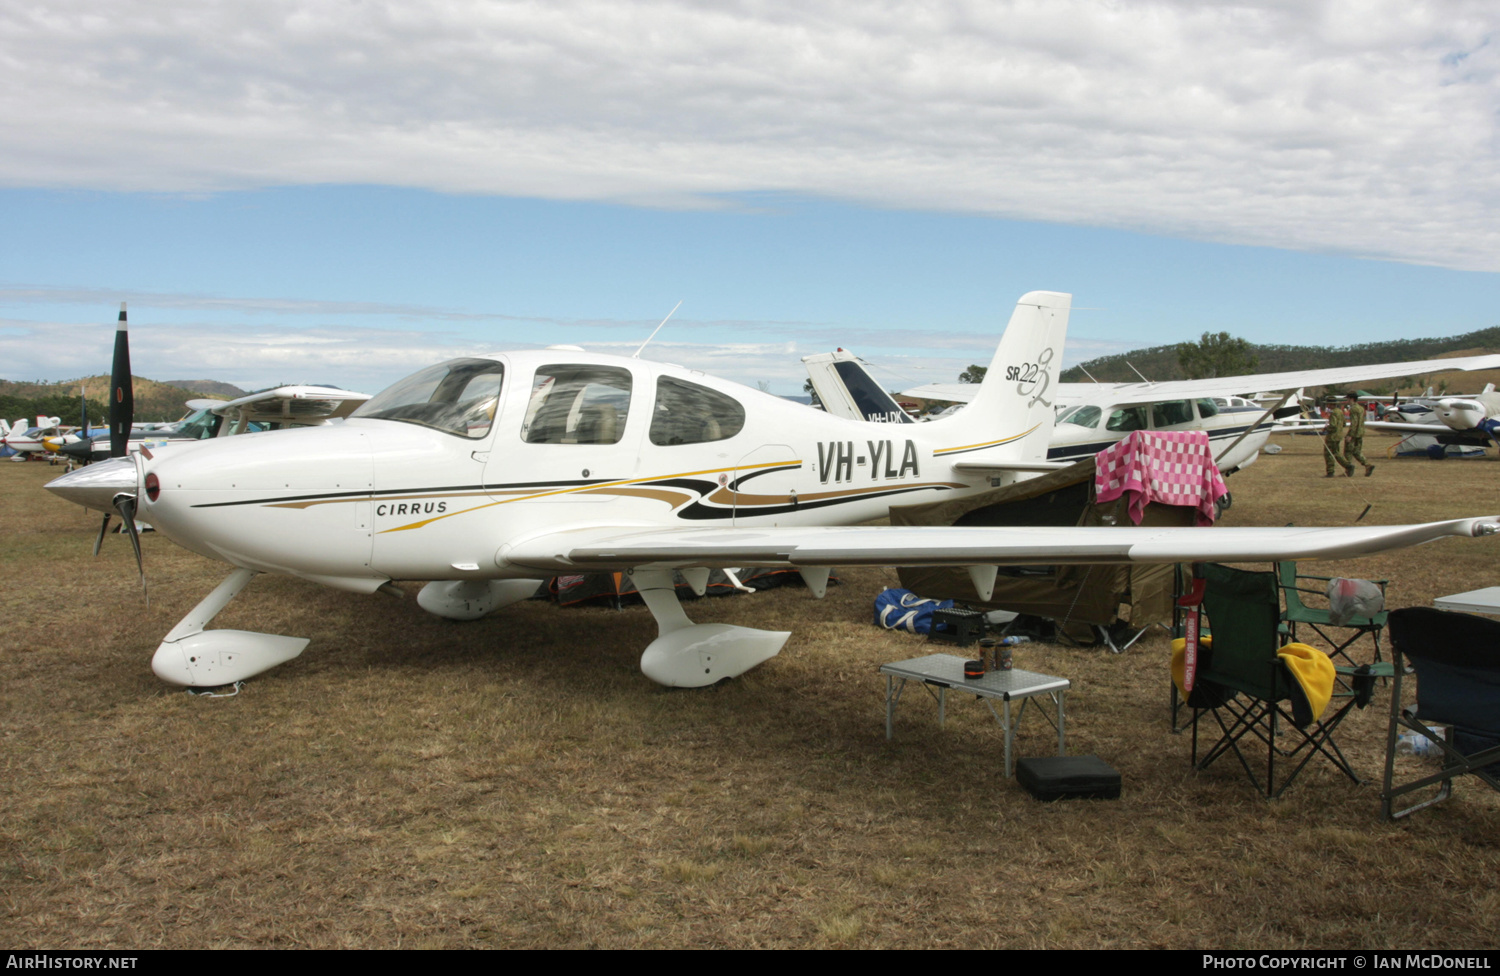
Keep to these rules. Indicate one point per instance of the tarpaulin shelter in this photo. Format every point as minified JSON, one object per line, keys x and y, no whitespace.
{"x":1078,"y":598}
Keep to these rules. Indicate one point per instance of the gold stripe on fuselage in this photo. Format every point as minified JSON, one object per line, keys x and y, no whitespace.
{"x":940,"y":452}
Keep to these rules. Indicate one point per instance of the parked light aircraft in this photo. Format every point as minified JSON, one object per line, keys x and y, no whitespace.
{"x":1237,"y":427}
{"x":1472,"y":419}
{"x":1092,"y":416}
{"x":290,"y":406}
{"x":482,"y":475}
{"x":1438,"y":426}
{"x":24,"y":438}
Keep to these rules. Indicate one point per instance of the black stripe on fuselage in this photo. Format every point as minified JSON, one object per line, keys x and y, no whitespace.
{"x":697,"y":511}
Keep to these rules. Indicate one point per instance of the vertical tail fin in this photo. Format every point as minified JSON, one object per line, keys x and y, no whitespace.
{"x":1013,"y":415}
{"x":846,"y":389}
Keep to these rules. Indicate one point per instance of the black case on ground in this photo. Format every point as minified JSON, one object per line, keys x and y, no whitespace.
{"x":1069,"y":777}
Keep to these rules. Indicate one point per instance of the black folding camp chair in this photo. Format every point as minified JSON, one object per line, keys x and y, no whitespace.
{"x":1456,"y":658}
{"x":1248,"y":690}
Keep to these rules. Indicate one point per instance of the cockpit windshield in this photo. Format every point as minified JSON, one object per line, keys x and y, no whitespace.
{"x":457,"y":397}
{"x":200,"y":424}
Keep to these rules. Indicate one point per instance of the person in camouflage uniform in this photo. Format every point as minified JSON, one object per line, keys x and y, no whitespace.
{"x":1333,"y":438}
{"x":1354,"y":439}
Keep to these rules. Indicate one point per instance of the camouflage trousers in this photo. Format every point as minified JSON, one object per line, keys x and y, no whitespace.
{"x":1354,"y":450}
{"x":1332,"y":454}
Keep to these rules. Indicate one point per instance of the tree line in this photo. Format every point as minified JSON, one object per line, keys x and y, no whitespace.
{"x":1224,"y":355}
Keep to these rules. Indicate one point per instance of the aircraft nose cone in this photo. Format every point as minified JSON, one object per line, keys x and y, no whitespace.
{"x":95,"y":486}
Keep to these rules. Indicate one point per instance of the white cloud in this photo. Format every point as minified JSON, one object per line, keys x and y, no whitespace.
{"x":357,"y":355}
{"x":1359,"y":126}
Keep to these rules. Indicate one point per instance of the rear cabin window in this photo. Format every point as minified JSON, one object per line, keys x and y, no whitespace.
{"x":686,"y":413}
{"x":1208,"y":408}
{"x":577,"y":405}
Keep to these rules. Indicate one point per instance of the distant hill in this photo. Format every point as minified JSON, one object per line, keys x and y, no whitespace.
{"x":213,"y":388}
{"x":154,"y":401}
{"x":1160,"y":362}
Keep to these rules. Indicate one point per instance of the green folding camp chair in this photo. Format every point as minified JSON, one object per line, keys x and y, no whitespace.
{"x":1320,"y":620}
{"x":1248,"y":690}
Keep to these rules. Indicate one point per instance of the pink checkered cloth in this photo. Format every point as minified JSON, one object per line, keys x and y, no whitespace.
{"x":1171,"y":467}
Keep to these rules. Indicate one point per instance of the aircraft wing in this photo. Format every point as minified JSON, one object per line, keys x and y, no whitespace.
{"x":1068,"y":394}
{"x":291,"y":404}
{"x":624,"y":548}
{"x":1396,"y":427}
{"x":1127,"y":394}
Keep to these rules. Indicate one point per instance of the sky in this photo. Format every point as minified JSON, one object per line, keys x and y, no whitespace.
{"x":343,"y":192}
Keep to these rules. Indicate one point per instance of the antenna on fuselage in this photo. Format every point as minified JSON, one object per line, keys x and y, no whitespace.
{"x":1137,"y":372}
{"x":656,"y":330}
{"x":1090,"y":375}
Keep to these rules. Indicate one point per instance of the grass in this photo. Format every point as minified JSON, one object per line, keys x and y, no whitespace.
{"x":516,"y":782}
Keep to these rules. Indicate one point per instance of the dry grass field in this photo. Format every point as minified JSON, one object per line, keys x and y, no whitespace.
{"x":516,"y":782}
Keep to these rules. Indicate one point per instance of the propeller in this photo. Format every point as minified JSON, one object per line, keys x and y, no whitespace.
{"x":121,"y":417}
{"x":124,"y":503}
{"x":99,"y":542}
{"x":122,"y":397}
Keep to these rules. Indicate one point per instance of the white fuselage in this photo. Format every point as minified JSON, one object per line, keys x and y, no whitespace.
{"x":377,"y":499}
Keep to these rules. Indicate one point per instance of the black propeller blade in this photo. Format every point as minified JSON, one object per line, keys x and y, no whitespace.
{"x":125,"y":505}
{"x":102,"y":530}
{"x":122,"y":395}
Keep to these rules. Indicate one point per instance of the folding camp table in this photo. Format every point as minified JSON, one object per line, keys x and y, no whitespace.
{"x":944,"y":671}
{"x":1486,"y":600}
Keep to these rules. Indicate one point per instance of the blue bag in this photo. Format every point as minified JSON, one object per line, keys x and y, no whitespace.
{"x":897,"y":609}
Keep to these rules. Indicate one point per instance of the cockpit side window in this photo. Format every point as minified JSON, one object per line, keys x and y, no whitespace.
{"x":1127,"y":418}
{"x":573,"y":404}
{"x":1170,"y":413}
{"x":457,"y":397}
{"x":686,"y":413}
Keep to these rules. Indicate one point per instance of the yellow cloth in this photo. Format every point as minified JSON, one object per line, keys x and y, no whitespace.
{"x":1310,"y":667}
{"x":1314,"y":673}
{"x":1179,"y":658}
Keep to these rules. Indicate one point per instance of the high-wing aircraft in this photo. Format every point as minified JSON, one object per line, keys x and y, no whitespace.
{"x":481,"y":475}
{"x":1236,"y":426}
{"x":26,"y":440}
{"x":284,"y":406}
{"x":1093,"y":416}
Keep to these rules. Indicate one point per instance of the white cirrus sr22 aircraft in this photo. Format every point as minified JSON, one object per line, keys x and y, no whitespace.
{"x":483,"y":475}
